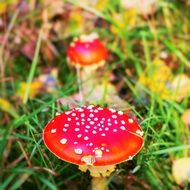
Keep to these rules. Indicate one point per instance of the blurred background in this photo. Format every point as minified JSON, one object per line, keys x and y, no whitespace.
{"x":146,"y":75}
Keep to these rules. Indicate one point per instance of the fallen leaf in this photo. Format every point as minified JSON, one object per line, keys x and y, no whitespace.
{"x":28,"y":49}
{"x":122,"y":21}
{"x":180,"y":87}
{"x":3,"y":7}
{"x":157,"y":82}
{"x":186,"y":117}
{"x":7,"y":107}
{"x":144,"y":7}
{"x":96,"y":95}
{"x":181,"y":170}
{"x":35,"y":89}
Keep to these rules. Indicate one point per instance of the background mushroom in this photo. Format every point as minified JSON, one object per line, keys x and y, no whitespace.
{"x":87,"y":53}
{"x":84,"y":136}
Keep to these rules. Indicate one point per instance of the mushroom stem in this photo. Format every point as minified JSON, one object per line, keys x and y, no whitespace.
{"x":79,"y":81}
{"x":99,"y":183}
{"x":89,"y":79}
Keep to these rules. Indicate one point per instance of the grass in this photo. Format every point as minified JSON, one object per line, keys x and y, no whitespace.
{"x":25,"y":163}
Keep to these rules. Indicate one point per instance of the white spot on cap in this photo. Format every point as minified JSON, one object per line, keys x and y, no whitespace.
{"x":114,"y":130}
{"x":63,"y":141}
{"x":112,"y":110}
{"x":103,"y":119}
{"x":96,"y":111}
{"x":92,"y":122}
{"x":120,"y":112}
{"x":91,"y":115}
{"x":68,"y":112}
{"x":102,"y":122}
{"x":66,"y":125}
{"x":98,"y":153}
{"x":73,"y":114}
{"x":82,"y":115}
{"x":94,"y":132}
{"x":130,"y":158}
{"x":123,"y":122}
{"x":100,"y":108}
{"x":122,"y":128}
{"x":78,"y":123}
{"x":116,"y":122}
{"x":114,"y":116}
{"x":109,"y":124}
{"x":79,"y":135}
{"x":78,"y":150}
{"x":86,"y":130}
{"x":80,"y":110}
{"x":100,"y":129}
{"x":76,"y":118}
{"x":69,"y":119}
{"x":53,"y":121}
{"x":89,"y":160}
{"x":139,"y":132}
{"x":77,"y":129}
{"x":90,"y":107}
{"x":75,"y":142}
{"x":88,"y":119}
{"x":95,"y":119}
{"x":106,"y":129}
{"x":64,"y":129}
{"x":91,"y":144}
{"x":109,"y":119}
{"x":86,"y":138}
{"x":87,"y":126}
{"x":72,"y":44}
{"x":82,"y":123}
{"x":107,"y":150}
{"x":53,"y":130}
{"x":130,"y":120}
{"x":103,"y":134}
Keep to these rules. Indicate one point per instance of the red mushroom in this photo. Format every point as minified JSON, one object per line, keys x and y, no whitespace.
{"x":94,"y":138}
{"x":87,"y":50}
{"x":87,"y":53}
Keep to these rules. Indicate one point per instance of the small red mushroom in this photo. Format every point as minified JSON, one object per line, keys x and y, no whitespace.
{"x":87,"y":53}
{"x":94,"y":138}
{"x":87,"y":50}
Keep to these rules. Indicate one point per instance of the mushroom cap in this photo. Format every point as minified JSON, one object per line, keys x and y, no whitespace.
{"x":87,"y":50}
{"x":93,"y":135}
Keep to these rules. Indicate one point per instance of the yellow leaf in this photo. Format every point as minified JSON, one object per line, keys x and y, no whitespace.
{"x":157,"y":82}
{"x":3,"y":7}
{"x":121,"y":21}
{"x":186,"y":117}
{"x":35,"y":89}
{"x":181,"y":170}
{"x":7,"y":107}
{"x":181,"y":87}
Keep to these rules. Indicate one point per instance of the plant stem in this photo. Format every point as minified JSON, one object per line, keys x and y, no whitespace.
{"x":79,"y":81}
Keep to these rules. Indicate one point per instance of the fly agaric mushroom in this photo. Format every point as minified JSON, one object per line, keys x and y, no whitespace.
{"x":87,"y":50}
{"x":87,"y":53}
{"x":94,"y":138}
